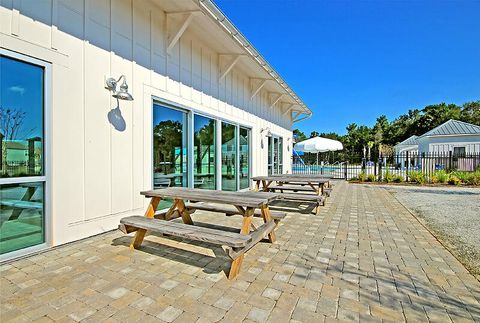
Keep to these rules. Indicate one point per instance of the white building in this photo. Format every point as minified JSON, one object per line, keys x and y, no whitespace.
{"x":453,"y":144}
{"x":454,"y":136}
{"x":200,"y":89}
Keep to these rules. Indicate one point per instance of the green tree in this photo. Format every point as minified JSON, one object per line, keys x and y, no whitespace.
{"x":299,"y":135}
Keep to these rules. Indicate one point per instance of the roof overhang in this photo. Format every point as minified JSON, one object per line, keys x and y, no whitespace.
{"x":211,"y":25}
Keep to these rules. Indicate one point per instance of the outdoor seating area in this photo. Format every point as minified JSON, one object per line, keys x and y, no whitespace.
{"x":364,"y":257}
{"x":245,"y":203}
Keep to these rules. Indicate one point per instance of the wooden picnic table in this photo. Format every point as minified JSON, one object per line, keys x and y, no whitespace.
{"x":237,"y":244}
{"x":296,"y":184}
{"x":315,"y":183}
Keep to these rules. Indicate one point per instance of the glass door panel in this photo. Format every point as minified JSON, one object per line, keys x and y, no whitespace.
{"x":275,"y":155}
{"x":280,"y":155}
{"x":169,"y":149}
{"x":22,"y":218}
{"x":244,"y":167}
{"x":270,"y":158}
{"x":229,"y":156}
{"x":204,"y":152}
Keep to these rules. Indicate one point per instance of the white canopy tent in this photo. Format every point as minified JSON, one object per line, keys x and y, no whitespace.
{"x":318,"y":145}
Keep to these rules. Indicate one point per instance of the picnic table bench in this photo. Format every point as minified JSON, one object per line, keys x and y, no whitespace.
{"x":317,"y":185}
{"x":237,"y":244}
{"x":229,"y":210}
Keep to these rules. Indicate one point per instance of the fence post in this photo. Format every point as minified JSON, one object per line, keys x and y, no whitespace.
{"x":380,"y":164}
{"x":408,"y":164}
{"x":450,"y":161}
{"x":346,"y":167}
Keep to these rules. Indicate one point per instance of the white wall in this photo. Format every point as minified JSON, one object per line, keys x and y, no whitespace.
{"x":98,"y":171}
{"x":444,"y":144}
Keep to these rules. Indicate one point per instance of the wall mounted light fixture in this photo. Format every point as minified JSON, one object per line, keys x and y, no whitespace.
{"x":122,"y":94}
{"x":268,"y":134}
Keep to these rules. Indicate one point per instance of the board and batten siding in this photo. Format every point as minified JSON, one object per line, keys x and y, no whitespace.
{"x":98,"y":171}
{"x":445,"y":144}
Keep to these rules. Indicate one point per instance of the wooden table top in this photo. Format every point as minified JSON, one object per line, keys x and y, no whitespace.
{"x":305,"y":175}
{"x":291,"y":178}
{"x":245,"y":198}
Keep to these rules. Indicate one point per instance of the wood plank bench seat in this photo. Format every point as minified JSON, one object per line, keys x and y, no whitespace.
{"x":318,"y":199}
{"x":291,"y":188}
{"x":230,"y":210}
{"x":236,"y":244}
{"x":306,"y":188}
{"x":182,"y":230}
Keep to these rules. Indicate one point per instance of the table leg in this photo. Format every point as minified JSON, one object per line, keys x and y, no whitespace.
{"x":247,"y":222}
{"x":140,"y":234}
{"x":183,"y":212}
{"x":267,"y":218}
{"x":257,"y":186}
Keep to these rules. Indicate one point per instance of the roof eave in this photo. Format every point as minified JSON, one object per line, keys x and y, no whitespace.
{"x":221,"y":19}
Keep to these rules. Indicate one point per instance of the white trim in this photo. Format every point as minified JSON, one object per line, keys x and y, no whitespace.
{"x":47,"y":157}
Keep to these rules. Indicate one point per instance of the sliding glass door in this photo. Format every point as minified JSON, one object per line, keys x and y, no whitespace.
{"x":229,"y":157}
{"x":169,"y":147}
{"x":244,"y":167}
{"x":204,"y":161}
{"x":192,"y":150}
{"x":22,"y":163}
{"x":275,"y":155}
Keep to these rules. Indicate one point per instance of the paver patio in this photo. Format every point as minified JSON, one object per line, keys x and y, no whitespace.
{"x":365,"y":257}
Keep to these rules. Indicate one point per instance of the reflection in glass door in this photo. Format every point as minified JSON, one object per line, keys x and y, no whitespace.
{"x":22,"y":165}
{"x":244,"y":167}
{"x":229,"y":157}
{"x":169,"y":149}
{"x":204,"y":152}
{"x":275,"y":155}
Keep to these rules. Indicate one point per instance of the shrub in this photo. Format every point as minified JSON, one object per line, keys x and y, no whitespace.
{"x":434,"y":179}
{"x":470,"y":178}
{"x":388,"y":178}
{"x":441,"y":175}
{"x":417,"y":177}
{"x":398,"y":179}
{"x":371,"y":178}
{"x":475,"y":178}
{"x":362,"y":177}
{"x":454,"y":180}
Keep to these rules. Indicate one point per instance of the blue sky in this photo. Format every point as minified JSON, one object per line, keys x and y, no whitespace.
{"x":21,"y":90}
{"x":351,"y":61}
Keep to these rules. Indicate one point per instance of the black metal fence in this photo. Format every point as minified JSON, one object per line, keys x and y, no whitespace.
{"x":404,"y":165}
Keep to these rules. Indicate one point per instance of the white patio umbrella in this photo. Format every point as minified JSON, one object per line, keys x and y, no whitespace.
{"x":318,"y":145}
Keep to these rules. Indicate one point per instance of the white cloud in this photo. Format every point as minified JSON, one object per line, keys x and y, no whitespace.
{"x":17,"y":89}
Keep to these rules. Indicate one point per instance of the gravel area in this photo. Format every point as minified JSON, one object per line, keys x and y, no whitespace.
{"x":452,"y":214}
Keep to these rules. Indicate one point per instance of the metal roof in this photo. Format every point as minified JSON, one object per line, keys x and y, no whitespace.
{"x":412,"y":140}
{"x":453,"y":127}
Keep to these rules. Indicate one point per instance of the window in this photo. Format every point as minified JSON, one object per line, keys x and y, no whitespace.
{"x":459,"y":151}
{"x":22,"y":164}
{"x":275,"y":155}
{"x":229,"y":157}
{"x":244,"y":166}
{"x":169,"y":147}
{"x":186,"y":146}
{"x":204,"y":152}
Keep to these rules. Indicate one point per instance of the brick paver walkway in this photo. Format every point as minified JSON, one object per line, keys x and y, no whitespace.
{"x":364,"y":258}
